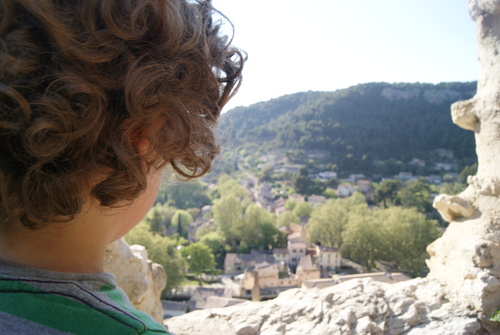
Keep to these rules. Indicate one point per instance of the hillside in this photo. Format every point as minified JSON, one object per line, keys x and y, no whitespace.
{"x":361,"y":124}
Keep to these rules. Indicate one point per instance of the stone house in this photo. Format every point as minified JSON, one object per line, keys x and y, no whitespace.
{"x":296,"y":250}
{"x":268,"y":281}
{"x":296,"y":244}
{"x":316,"y":199}
{"x":328,"y":258}
{"x":345,"y":190}
{"x":326,"y":175}
{"x":281,"y":255}
{"x":296,"y":197}
{"x":364,"y":186}
{"x":306,"y":270}
{"x":235,"y":264}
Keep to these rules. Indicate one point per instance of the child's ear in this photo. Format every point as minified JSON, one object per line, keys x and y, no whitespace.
{"x":143,"y":136}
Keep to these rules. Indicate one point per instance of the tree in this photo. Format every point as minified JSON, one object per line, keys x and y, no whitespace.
{"x":387,"y":191}
{"x":327,"y":221}
{"x":467,"y":171}
{"x":406,"y":234}
{"x":161,"y":250}
{"x":190,"y":194}
{"x":155,"y":221}
{"x":259,"y":230}
{"x":302,"y":209}
{"x":228,"y":186}
{"x":199,"y":259}
{"x":229,"y":219}
{"x":301,"y":181}
{"x":290,"y":204}
{"x":361,"y":239}
{"x":194,"y":212}
{"x":285,"y":218}
{"x":251,"y":234}
{"x":272,"y":237}
{"x":182,"y":219}
{"x":215,"y":242}
{"x":416,"y":194}
{"x":159,"y":217}
{"x":330,"y":193}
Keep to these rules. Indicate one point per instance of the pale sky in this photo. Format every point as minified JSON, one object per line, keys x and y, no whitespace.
{"x":325,"y":45}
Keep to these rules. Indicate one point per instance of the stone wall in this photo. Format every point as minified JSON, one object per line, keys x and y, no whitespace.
{"x":462,"y":290}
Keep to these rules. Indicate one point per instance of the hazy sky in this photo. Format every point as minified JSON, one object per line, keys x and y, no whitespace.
{"x":324,"y":45}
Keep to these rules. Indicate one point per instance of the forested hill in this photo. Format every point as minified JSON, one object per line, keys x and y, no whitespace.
{"x":375,"y":120}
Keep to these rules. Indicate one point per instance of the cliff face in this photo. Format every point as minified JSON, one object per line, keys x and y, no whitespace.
{"x":462,"y":290}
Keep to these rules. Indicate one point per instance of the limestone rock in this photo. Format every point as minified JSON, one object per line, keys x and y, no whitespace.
{"x":453,"y":207}
{"x":419,"y":306}
{"x":463,"y":115}
{"x":466,"y":258}
{"x":140,"y":278}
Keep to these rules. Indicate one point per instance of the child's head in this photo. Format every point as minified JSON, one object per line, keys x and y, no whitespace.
{"x":83,"y":81}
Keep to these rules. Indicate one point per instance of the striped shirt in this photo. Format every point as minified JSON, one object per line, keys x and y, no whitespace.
{"x":34,"y":301}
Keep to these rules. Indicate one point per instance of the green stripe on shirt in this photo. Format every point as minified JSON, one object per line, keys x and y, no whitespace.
{"x":69,"y":314}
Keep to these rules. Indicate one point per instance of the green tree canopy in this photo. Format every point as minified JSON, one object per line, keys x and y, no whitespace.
{"x":228,"y":186}
{"x":302,"y":209}
{"x":285,"y":218}
{"x":181,"y":220}
{"x":199,"y":259}
{"x":228,"y":215}
{"x":387,"y":191}
{"x":361,"y":238}
{"x":416,"y":194}
{"x":259,"y":230}
{"x":251,"y":234}
{"x":189,"y":194}
{"x":328,"y":221}
{"x":301,"y":181}
{"x":215,"y":242}
{"x":160,"y":250}
{"x":406,"y":233}
{"x":467,"y":171}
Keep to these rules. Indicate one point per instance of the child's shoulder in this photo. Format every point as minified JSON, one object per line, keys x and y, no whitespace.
{"x":45,"y":302}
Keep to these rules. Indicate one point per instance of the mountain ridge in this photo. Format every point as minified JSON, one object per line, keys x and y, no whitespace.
{"x":377,"y":121}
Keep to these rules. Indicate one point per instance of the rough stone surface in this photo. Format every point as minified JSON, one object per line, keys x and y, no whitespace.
{"x":453,"y":207}
{"x":419,"y":306}
{"x":466,"y":258}
{"x":462,"y":290}
{"x":140,"y":278}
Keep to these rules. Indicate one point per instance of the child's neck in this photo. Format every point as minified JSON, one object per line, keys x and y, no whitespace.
{"x":75,"y":247}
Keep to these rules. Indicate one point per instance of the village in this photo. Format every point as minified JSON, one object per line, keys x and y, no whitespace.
{"x":263,"y":274}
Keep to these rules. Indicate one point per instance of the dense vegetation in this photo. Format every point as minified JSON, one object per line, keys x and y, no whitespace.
{"x":398,"y":235}
{"x":360,"y":125}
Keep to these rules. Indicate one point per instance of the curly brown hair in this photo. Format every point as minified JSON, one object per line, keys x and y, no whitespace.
{"x":81,"y":80}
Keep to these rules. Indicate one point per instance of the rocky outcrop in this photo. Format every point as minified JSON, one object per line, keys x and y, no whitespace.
{"x":462,"y":290}
{"x":140,"y":278}
{"x":416,"y":307}
{"x":467,"y":257}
{"x":434,"y":96}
